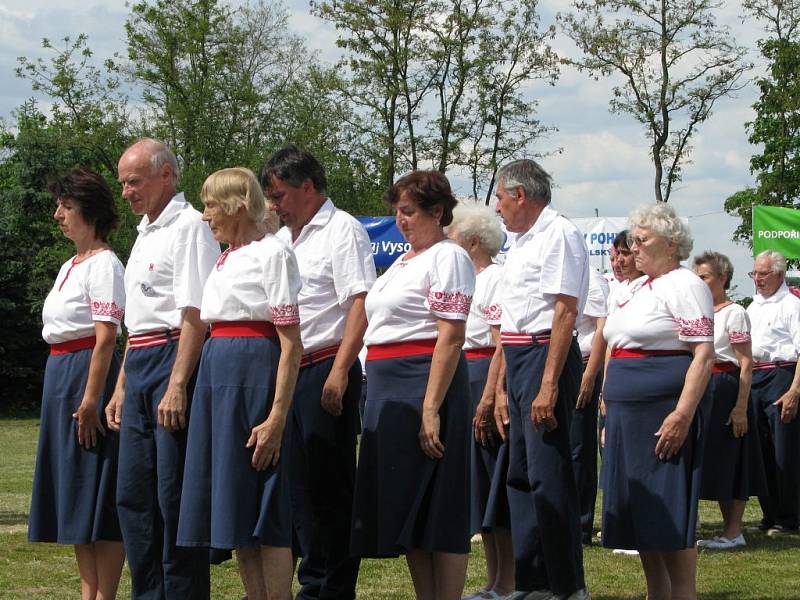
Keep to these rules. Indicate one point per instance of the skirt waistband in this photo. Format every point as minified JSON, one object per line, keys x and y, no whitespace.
{"x":153,"y":338}
{"x":243,"y":329}
{"x":72,"y":345}
{"x":525,"y":339}
{"x":476,"y":353}
{"x":724,"y":366}
{"x":400,"y":349}
{"x":318,"y":355}
{"x":642,"y":353}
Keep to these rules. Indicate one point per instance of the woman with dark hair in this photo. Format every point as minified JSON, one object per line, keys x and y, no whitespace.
{"x":732,"y":465}
{"x":74,"y":482}
{"x":412,"y":486}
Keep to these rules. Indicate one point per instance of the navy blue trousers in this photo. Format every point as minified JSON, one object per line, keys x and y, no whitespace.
{"x":149,"y":486}
{"x":583,"y":445}
{"x":780,"y":447}
{"x":545,"y":515}
{"x":322,"y":478}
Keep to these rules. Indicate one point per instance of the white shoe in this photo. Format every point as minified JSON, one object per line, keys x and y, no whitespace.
{"x":723,"y":543}
{"x":625,"y":552}
{"x":704,"y":543}
{"x":582,"y":594}
{"x":540,"y":595}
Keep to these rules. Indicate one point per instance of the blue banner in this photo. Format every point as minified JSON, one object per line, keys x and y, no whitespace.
{"x":388,"y":244}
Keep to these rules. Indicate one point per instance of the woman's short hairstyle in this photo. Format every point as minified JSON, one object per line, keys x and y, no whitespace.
{"x":660,"y":218}
{"x":475,"y":220}
{"x":527,"y":174}
{"x":778,"y":260}
{"x":718,"y":263}
{"x":235,"y":187}
{"x":428,"y":189}
{"x":92,"y":195}
{"x":622,"y":240}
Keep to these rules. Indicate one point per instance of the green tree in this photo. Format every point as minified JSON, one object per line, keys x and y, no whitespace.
{"x":676,"y":62}
{"x":776,"y":127}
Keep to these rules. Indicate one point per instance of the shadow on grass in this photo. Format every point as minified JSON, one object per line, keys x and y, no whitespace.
{"x":12,"y":518}
{"x":700,"y":596}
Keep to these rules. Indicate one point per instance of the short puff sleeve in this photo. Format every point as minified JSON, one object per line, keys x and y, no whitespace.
{"x":105,"y":287}
{"x":692,"y":307}
{"x":738,"y":327}
{"x":282,"y":284}
{"x":452,"y":283}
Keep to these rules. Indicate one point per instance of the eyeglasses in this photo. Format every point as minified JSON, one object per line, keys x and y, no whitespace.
{"x":759,"y":274}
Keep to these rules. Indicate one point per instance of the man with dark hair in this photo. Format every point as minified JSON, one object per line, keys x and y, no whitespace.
{"x":544,"y":290}
{"x":167,"y":269}
{"x":336,"y":266}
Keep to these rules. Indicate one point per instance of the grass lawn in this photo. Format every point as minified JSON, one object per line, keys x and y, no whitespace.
{"x":766,"y":569}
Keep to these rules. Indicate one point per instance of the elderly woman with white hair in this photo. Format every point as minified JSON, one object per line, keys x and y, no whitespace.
{"x":660,"y":335}
{"x":235,"y":485}
{"x":476,"y":229}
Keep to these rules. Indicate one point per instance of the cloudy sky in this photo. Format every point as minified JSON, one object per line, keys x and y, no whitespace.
{"x":604,"y":164}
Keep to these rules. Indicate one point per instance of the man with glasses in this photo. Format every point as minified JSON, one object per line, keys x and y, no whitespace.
{"x":775,"y":318}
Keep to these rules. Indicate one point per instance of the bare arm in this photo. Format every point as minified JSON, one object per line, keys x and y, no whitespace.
{"x":483,"y":421}
{"x":676,"y":424}
{"x":501,"y":419}
{"x":172,"y":408}
{"x":542,"y":408}
{"x":451,"y":334}
{"x":267,"y":436}
{"x":353,"y":339}
{"x":114,"y":406}
{"x":88,"y":420}
{"x":738,"y":417}
{"x":596,"y":357}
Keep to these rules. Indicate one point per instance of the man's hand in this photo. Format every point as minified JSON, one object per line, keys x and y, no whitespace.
{"x":114,"y":410}
{"x":788,"y":406}
{"x":172,"y":408}
{"x":542,"y":408}
{"x":333,"y":391}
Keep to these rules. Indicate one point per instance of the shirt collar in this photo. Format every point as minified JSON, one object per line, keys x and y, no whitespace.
{"x":543,"y":221}
{"x":775,"y":298}
{"x":323,"y":215}
{"x":167,"y":216}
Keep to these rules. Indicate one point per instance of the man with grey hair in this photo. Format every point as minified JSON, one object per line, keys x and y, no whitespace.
{"x":544,"y":289}
{"x":167,"y":269}
{"x":775,"y":320}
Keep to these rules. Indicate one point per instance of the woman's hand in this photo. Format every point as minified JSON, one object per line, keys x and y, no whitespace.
{"x":429,"y":434}
{"x":266,"y":438}
{"x":585,"y":392}
{"x":672,"y":434}
{"x":483,"y":422}
{"x":88,"y":425}
{"x":738,"y":421}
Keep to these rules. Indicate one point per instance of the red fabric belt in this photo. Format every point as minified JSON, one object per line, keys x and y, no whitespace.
{"x":318,"y":355}
{"x":72,"y":346}
{"x":525,"y":339}
{"x":724,"y":367}
{"x":761,"y":366}
{"x":641,"y":353}
{"x":153,"y":338}
{"x":476,"y":353}
{"x":243,"y":329}
{"x":400,"y":349}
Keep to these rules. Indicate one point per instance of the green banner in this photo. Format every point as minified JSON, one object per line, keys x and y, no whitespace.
{"x":776,"y":228}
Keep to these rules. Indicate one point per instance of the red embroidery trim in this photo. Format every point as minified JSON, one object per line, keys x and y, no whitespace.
{"x":71,"y":266}
{"x":449,"y":302}
{"x":739,"y":337}
{"x":107,"y":309}
{"x":704,"y":326}
{"x":224,"y":256}
{"x":286,"y":314}
{"x":493,"y":312}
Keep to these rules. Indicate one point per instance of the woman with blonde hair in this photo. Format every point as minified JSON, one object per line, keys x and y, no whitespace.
{"x":235,"y":487}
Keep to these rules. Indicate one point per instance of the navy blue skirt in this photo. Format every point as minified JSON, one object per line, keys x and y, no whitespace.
{"x":648,"y":504}
{"x":403,"y":499}
{"x":225,"y":502}
{"x":732,"y":467}
{"x":73,"y":499}
{"x":488,"y":465}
